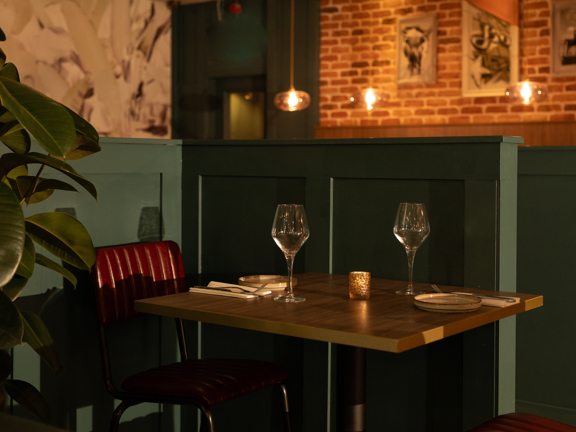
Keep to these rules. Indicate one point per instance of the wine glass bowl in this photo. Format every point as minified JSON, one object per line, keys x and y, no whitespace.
{"x":411,"y":228}
{"x":290,"y":231}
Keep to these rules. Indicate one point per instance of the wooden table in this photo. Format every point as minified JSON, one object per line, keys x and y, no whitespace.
{"x":386,"y":322}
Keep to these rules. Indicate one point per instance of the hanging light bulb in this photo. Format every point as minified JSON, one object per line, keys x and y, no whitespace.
{"x":369,"y":98}
{"x":292,"y":100}
{"x":526,"y":92}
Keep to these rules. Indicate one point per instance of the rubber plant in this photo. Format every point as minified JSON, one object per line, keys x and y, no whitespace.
{"x":64,"y":136}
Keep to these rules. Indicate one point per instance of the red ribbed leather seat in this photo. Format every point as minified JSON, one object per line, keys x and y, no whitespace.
{"x":521,"y":422}
{"x":123,"y":274}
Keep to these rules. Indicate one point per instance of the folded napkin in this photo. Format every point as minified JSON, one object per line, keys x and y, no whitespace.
{"x":259,"y":292}
{"x":492,"y":301}
{"x":222,"y":293}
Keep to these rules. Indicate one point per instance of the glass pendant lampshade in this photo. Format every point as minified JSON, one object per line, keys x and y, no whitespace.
{"x":526,"y":92}
{"x":368,"y":98}
{"x":292,"y":100}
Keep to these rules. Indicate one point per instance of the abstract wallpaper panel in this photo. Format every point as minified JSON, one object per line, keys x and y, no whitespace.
{"x":108,"y":60}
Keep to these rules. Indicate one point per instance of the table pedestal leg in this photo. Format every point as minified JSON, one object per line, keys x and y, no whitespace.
{"x":350,"y":389}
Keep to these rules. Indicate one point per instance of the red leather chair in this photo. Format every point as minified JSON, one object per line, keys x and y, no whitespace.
{"x":124,"y":274}
{"x":521,"y":422}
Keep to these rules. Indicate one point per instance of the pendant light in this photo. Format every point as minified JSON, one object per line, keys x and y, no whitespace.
{"x":292,"y":100}
{"x":526,"y":92}
{"x":369,"y":98}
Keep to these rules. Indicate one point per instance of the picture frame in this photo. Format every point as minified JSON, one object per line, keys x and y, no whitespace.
{"x":490,"y":53}
{"x":563,"y":37}
{"x":417,"y":53}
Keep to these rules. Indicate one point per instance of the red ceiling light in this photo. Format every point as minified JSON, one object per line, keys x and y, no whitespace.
{"x":235,"y":8}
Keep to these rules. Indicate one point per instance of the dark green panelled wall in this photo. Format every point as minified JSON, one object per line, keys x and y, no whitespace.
{"x":245,"y":52}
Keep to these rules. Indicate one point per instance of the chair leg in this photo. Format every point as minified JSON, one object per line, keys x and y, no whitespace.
{"x":117,"y":414}
{"x":207,"y":423}
{"x":285,"y":409}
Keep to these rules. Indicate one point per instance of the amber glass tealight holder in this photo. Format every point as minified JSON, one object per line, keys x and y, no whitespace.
{"x":359,"y":285}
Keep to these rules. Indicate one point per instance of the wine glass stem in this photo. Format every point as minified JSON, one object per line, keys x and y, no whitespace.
{"x":410,"y":254}
{"x":290,"y":264}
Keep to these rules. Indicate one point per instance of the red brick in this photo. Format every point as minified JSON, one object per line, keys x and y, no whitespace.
{"x":389,"y":122}
{"x":562,"y":117}
{"x":522,"y":108}
{"x":459,"y":120}
{"x":424,"y":112}
{"x":497,"y":109}
{"x":472,"y":110}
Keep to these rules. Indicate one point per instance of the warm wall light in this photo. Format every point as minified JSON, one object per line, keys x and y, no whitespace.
{"x":292,"y":100}
{"x":526,"y":92}
{"x":368,"y":98}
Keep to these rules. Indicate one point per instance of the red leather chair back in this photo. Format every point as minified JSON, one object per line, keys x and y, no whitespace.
{"x":123,"y":274}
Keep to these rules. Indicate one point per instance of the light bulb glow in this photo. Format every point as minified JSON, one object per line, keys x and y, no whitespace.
{"x":370,"y":98}
{"x":526,"y":93}
{"x":292,"y":99}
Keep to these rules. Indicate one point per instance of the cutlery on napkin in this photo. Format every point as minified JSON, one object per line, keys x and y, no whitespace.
{"x":222,"y":292}
{"x":497,"y":301}
{"x":248,"y":289}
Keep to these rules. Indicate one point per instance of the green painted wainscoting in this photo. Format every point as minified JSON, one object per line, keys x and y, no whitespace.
{"x":137,"y":181}
{"x":546,"y":344}
{"x":351,"y":189}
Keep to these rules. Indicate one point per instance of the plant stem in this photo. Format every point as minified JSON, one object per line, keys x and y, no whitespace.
{"x":32,"y":187}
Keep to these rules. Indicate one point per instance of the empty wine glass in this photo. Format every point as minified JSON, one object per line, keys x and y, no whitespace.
{"x":290,"y":231}
{"x":411,"y":228}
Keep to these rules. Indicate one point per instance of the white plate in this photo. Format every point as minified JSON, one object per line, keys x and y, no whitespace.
{"x":447,"y":303}
{"x":273,"y":282}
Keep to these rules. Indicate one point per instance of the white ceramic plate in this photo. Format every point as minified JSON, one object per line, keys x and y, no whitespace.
{"x":273,"y":282}
{"x":447,"y":303}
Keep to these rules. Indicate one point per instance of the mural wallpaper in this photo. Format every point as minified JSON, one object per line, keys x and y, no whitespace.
{"x":107,"y":60}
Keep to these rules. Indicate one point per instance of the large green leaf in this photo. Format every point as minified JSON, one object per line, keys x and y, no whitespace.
{"x":63,"y":236}
{"x":28,"y":397}
{"x":14,"y":288}
{"x":15,"y":137}
{"x":41,"y":187}
{"x":47,"y":120}
{"x":11,"y":233}
{"x":9,"y":161}
{"x":11,"y":327}
{"x":83,"y":126}
{"x":26,"y":266}
{"x":5,"y":366}
{"x":38,"y":337}
{"x":10,"y":71}
{"x":83,"y":146}
{"x":2,"y":57}
{"x":48,"y":263}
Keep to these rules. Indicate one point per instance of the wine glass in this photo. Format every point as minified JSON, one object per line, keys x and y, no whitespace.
{"x":290,"y":231}
{"x":411,"y":228}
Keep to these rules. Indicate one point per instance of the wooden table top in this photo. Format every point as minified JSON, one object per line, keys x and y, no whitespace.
{"x":385,"y":322}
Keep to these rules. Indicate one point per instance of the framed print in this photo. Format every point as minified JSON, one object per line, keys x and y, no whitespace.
{"x":564,"y":37}
{"x":417,"y":53}
{"x":489,"y":53}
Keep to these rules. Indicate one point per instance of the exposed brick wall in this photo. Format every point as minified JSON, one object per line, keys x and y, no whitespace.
{"x":358,"y":47}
